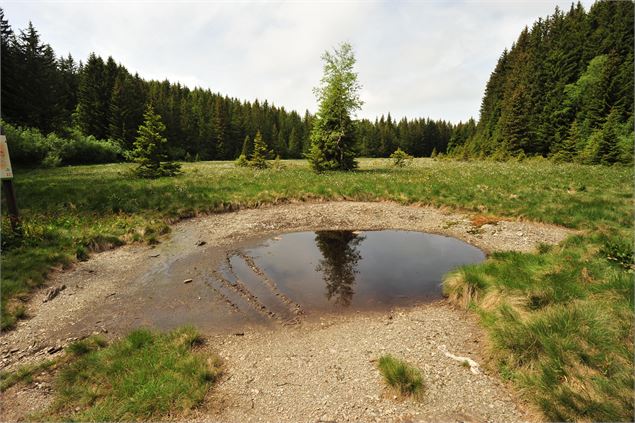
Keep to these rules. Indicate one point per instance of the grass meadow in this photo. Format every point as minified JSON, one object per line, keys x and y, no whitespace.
{"x":559,"y":321}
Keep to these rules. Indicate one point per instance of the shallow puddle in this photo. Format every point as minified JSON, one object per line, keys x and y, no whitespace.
{"x":344,"y":270}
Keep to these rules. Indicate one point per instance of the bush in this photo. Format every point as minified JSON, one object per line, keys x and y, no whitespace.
{"x":401,"y":158}
{"x":242,"y":161}
{"x":26,"y":146}
{"x":29,"y":147}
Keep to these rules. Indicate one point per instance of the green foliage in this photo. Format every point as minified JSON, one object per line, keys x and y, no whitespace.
{"x":403,"y":377}
{"x":554,"y":92}
{"x":400,"y":158}
{"x":258,"y":159}
{"x":332,"y":135}
{"x":242,"y":161}
{"x":28,"y":147}
{"x":621,"y":252}
{"x":149,"y":149}
{"x":144,"y":376}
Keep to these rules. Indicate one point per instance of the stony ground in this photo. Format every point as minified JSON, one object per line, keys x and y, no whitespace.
{"x":326,"y":371}
{"x":318,"y":370}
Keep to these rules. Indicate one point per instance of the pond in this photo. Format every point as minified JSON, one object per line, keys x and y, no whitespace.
{"x":330,"y":271}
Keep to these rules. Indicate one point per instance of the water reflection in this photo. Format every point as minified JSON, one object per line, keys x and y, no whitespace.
{"x":330,"y":270}
{"x":340,"y":255}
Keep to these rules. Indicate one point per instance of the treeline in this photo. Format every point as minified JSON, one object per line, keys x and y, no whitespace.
{"x":103,"y":100}
{"x":564,"y":90}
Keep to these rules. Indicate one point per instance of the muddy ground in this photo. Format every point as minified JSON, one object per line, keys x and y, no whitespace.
{"x":314,"y":367}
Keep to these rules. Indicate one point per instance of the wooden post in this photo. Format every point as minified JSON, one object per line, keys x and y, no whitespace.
{"x":12,"y":205}
{"x":6,"y":174}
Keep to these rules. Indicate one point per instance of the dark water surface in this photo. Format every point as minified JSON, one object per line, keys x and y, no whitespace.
{"x":331,"y":270}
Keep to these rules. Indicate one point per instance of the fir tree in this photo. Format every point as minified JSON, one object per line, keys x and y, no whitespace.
{"x":149,"y":148}
{"x":295,"y":144}
{"x":93,"y":110}
{"x":332,"y":136}
{"x":259,"y":156}
{"x":609,"y":151}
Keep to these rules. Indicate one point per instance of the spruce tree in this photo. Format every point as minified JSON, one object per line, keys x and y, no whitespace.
{"x":609,"y":151}
{"x":295,"y":144}
{"x":93,"y":109}
{"x":259,"y":156}
{"x":332,"y":136}
{"x":149,"y":148}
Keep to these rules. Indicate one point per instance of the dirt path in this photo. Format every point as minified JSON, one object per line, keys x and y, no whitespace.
{"x":135,"y":285}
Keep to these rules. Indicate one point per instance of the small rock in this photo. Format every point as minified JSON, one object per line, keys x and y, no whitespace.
{"x":187,"y":281}
{"x":155,"y":255}
{"x":54,"y":349}
{"x":240,"y":334}
{"x":52,"y":293}
{"x":201,"y":243}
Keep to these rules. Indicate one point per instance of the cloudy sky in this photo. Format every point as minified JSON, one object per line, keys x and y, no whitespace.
{"x":414,"y":59}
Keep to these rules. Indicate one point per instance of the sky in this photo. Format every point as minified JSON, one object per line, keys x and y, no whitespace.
{"x":414,"y":59}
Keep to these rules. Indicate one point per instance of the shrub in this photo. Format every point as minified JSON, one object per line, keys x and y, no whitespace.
{"x":26,"y":146}
{"x":242,"y":161}
{"x":400,"y":158}
{"x":29,"y":147}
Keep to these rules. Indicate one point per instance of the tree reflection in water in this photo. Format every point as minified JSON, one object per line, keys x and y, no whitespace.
{"x":339,"y":263}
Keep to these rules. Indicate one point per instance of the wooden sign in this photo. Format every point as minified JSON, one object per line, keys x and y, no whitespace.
{"x":5,"y":163}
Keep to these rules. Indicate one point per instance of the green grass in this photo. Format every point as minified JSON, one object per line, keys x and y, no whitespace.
{"x":23,"y":374}
{"x":544,"y":312}
{"x":401,"y":376}
{"x":144,"y":376}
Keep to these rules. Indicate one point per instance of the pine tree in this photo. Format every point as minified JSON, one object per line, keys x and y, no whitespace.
{"x":332,"y":136}
{"x":295,"y":144}
{"x":609,"y":151}
{"x":149,"y":148}
{"x":259,"y":156}
{"x":9,"y":72}
{"x":93,"y":110}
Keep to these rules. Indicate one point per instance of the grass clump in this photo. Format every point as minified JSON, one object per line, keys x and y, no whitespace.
{"x":23,"y":374}
{"x":401,"y":376}
{"x":143,"y":376}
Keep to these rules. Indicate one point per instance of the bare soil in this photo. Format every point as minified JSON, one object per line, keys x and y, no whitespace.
{"x":319,"y":368}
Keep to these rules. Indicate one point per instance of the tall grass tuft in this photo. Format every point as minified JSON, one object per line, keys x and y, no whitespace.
{"x":401,"y":376}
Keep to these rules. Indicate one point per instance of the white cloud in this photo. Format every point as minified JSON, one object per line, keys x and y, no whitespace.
{"x":415,"y":59}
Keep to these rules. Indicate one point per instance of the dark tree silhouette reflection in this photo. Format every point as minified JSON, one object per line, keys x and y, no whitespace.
{"x":339,"y":263}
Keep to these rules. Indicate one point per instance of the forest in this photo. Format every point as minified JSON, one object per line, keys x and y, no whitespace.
{"x":60,"y":111}
{"x":564,"y":90}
